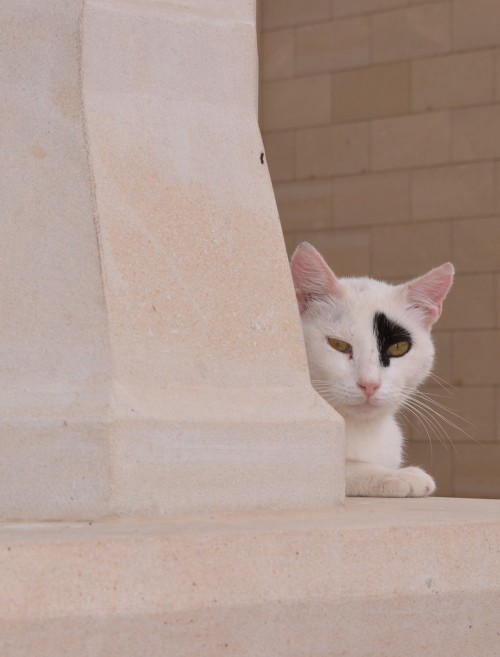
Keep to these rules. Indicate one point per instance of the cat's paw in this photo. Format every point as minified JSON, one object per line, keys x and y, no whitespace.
{"x":408,"y":482}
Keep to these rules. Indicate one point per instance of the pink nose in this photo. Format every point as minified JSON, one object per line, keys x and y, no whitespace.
{"x":369,"y":388}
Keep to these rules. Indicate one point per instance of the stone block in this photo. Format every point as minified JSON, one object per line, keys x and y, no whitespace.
{"x":409,"y":250}
{"x":305,"y":205}
{"x":349,"y":7}
{"x":340,"y":149}
{"x":464,"y":190}
{"x":476,"y":244}
{"x":434,"y":457}
{"x":296,"y":103}
{"x":497,"y":404}
{"x":333,"y":46}
{"x":476,"y":356}
{"x":452,"y":81}
{"x":443,"y":359}
{"x":470,"y":303}
{"x":279,"y":13}
{"x":497,"y":187}
{"x":371,"y":199}
{"x":476,"y":24}
{"x":371,"y":92}
{"x":417,"y":31}
{"x":476,"y":133}
{"x":410,"y":141}
{"x":497,"y":74}
{"x":276,"y":54}
{"x":213,"y":586}
{"x":497,"y":302}
{"x":476,"y":471}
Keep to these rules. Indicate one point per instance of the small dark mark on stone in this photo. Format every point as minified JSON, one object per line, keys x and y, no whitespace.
{"x":262,"y":158}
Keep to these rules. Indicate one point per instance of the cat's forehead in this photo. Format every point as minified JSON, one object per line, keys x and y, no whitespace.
{"x":367,"y":288}
{"x":366,"y":299}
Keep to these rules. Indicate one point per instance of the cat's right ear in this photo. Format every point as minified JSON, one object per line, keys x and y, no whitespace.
{"x":312,"y":277}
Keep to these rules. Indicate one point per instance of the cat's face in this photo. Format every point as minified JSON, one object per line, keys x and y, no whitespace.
{"x":368,"y":343}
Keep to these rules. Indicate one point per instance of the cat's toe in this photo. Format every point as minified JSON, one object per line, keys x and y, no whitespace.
{"x":394,"y":487}
{"x":421,"y":484}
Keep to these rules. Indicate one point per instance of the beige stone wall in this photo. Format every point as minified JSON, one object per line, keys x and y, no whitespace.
{"x":381,"y":123}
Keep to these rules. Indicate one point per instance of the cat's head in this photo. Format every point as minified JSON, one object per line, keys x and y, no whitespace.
{"x":368,"y":343}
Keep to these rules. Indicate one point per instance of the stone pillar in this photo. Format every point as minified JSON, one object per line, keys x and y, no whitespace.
{"x":151,"y":354}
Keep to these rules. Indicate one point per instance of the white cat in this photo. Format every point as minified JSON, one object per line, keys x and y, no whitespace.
{"x":369,"y":347}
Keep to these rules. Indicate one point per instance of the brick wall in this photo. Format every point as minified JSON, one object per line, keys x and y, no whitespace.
{"x":381,"y":123}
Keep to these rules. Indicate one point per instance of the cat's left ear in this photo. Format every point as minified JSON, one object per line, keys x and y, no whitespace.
{"x":428,"y":292}
{"x":312,"y":277}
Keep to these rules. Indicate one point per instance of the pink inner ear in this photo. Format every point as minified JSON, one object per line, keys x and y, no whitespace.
{"x":312,"y":277}
{"x":428,"y":292}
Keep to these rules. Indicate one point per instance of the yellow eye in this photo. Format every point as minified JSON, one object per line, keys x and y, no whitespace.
{"x":398,"y":349}
{"x":340,"y":345}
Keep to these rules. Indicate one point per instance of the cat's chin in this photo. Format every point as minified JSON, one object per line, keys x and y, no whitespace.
{"x":365,"y":411}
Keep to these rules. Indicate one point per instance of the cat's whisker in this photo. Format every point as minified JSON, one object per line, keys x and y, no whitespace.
{"x":440,"y":378}
{"x":415,"y":414}
{"x":428,"y":398}
{"x":425,"y":400}
{"x":425,"y":415}
{"x":433,"y":421}
{"x":328,"y":395}
{"x":431,"y":395}
{"x":429,"y":423}
{"x":324,"y":389}
{"x":443,"y":383}
{"x":440,"y":417}
{"x":326,"y":392}
{"x":422,"y":399}
{"x":325,"y":386}
{"x":423,"y":396}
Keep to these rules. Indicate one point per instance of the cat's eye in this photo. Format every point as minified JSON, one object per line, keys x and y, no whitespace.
{"x":398,"y":349}
{"x":340,"y":345}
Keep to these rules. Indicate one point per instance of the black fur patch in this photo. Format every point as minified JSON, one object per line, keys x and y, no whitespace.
{"x":388,"y":332}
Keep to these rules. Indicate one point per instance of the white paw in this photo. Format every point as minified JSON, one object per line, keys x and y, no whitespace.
{"x":408,"y":482}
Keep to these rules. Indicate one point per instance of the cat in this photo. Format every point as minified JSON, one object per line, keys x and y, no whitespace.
{"x":369,"y":347}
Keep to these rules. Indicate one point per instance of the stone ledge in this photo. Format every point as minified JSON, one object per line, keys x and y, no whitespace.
{"x":376,"y":578}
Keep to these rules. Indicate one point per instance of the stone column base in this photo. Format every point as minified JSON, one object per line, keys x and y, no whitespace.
{"x":378,"y":577}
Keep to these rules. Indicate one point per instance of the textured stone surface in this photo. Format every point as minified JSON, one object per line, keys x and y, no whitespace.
{"x":152,"y":356}
{"x":287,"y":103}
{"x":452,"y":81}
{"x":410,"y":141}
{"x":363,"y":580}
{"x":333,"y":46}
{"x":413,"y":32}
{"x":372,"y":92}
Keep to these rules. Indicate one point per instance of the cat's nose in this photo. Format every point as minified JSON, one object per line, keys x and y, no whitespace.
{"x":369,"y":388}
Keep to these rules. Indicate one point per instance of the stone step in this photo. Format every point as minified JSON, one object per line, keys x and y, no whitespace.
{"x":377,"y":578}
